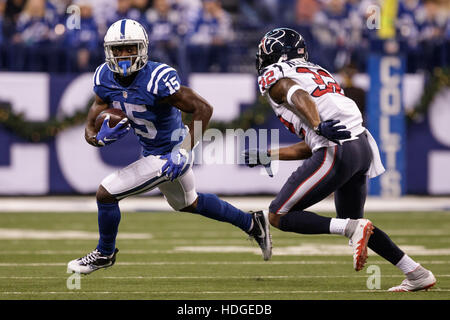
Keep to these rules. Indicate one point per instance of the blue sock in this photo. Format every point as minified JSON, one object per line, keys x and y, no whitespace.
{"x":210,"y":206}
{"x":108,"y":225}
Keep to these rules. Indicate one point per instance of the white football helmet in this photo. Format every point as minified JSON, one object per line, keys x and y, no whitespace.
{"x":126,"y":32}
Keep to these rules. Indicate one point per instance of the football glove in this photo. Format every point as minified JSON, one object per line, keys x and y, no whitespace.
{"x":256,"y":157}
{"x":107,"y":135}
{"x":176,"y":162}
{"x":329,"y":130}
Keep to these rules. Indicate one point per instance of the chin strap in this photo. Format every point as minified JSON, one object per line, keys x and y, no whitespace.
{"x":124,"y":65}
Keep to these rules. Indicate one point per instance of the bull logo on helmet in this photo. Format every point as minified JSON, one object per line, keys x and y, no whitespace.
{"x":278,"y":45}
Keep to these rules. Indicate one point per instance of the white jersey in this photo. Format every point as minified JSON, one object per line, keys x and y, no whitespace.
{"x":326,"y":93}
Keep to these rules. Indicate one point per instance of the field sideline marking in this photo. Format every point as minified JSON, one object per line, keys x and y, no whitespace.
{"x":58,"y":264}
{"x":77,"y":204}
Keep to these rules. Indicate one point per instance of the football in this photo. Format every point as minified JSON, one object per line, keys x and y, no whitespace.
{"x":116,"y":115}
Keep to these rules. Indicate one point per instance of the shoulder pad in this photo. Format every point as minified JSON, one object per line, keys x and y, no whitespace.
{"x":164,"y":81}
{"x":269,"y":77}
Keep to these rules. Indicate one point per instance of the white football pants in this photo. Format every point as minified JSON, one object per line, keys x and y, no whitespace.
{"x":144,"y":175}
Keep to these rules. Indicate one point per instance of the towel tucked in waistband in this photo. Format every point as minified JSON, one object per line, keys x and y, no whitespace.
{"x":376,"y":166}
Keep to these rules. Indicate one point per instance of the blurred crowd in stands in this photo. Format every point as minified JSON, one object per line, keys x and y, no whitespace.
{"x":214,"y":35}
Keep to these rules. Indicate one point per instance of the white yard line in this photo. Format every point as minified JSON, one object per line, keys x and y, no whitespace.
{"x":21,"y":234}
{"x":302,"y":250}
{"x":77,"y":292}
{"x":164,"y":263}
{"x":249,"y":277}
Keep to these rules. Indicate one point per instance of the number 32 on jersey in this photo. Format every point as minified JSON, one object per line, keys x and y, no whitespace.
{"x":325,"y":82}
{"x":324,"y":86}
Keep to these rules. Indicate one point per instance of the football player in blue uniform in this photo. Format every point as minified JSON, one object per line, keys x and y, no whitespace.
{"x":151,"y":96}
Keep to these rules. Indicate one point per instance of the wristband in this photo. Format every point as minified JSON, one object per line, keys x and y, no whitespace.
{"x":290,"y":92}
{"x":317,"y":130}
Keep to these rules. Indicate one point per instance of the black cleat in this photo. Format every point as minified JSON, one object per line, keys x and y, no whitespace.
{"x":261,"y":233}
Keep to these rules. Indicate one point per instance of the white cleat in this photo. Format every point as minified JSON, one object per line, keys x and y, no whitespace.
{"x":92,"y":262}
{"x":359,"y":240}
{"x":419,"y":279}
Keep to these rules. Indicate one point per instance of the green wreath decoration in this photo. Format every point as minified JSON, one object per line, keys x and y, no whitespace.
{"x":439,"y":79}
{"x":41,"y":131}
{"x":255,"y":115}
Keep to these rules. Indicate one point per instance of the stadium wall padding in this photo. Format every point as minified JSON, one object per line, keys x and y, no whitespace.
{"x":68,"y":165}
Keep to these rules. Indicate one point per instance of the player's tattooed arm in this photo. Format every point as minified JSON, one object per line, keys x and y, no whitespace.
{"x":89,"y":132}
{"x":300,"y":99}
{"x":298,"y":151}
{"x":187,"y":100}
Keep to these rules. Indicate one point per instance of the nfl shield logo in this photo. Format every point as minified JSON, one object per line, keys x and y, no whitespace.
{"x":125,"y":94}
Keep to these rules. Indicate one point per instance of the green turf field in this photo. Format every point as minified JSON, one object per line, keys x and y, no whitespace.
{"x":183,"y":256}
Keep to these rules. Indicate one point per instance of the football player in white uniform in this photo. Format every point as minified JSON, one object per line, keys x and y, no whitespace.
{"x":151,"y":96}
{"x":340,"y":155}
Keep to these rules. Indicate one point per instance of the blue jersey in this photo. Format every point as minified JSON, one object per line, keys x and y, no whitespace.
{"x":153,"y":122}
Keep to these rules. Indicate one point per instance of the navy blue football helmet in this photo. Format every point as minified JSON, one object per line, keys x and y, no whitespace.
{"x":279,"y":45}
